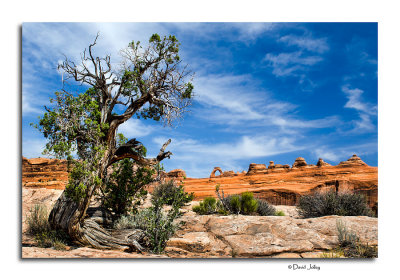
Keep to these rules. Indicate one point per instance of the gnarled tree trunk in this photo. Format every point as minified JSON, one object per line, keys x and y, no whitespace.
{"x":70,"y":216}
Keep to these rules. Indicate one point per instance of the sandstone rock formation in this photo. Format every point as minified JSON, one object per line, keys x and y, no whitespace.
{"x":255,"y":168}
{"x":285,"y":188}
{"x":353,"y":161}
{"x":215,"y":170}
{"x":263,"y":236}
{"x":177,"y":173}
{"x":44,"y":173}
{"x":321,"y":163}
{"x":279,"y":186}
{"x":241,"y":236}
{"x":299,"y":162}
{"x":271,"y":165}
{"x":229,"y":173}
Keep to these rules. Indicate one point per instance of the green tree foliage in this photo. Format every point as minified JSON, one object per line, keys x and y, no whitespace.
{"x":157,"y":223}
{"x":151,"y":85}
{"x":124,"y":190}
{"x":169,"y":192}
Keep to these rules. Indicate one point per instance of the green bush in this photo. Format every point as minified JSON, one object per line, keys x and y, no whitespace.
{"x":249,"y":204}
{"x":233,"y":204}
{"x":124,"y":190}
{"x":209,"y":206}
{"x":157,"y":224}
{"x":39,"y":227}
{"x":331,"y":203}
{"x":279,"y":213}
{"x":167,"y":191}
{"x":244,"y":203}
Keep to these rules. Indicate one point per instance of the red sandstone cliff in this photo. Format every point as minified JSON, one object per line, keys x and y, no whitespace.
{"x":278,"y":184}
{"x":44,"y":173}
{"x":282,"y":185}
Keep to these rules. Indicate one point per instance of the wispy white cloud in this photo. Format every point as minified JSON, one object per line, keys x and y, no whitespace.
{"x":309,"y":51}
{"x":135,"y":128}
{"x":354,"y":100}
{"x":236,"y":100}
{"x":286,"y":64}
{"x":318,"y":45}
{"x":250,"y":31}
{"x":31,"y":103}
{"x":365,"y":110}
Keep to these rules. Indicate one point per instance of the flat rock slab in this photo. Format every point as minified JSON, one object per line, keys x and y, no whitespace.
{"x":269,"y":236}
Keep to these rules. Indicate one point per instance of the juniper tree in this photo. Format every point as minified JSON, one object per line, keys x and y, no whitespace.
{"x":150,"y":83}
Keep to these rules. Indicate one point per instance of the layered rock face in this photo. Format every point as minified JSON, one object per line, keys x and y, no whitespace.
{"x":176,"y":174}
{"x":255,"y":168}
{"x":282,"y":185}
{"x":353,"y":161}
{"x":44,"y":173}
{"x":278,"y":184}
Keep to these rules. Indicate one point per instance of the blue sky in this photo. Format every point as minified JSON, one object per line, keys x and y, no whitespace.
{"x":264,"y":91}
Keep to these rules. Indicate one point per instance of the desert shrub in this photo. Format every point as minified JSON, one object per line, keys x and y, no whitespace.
{"x":38,"y":220}
{"x":279,"y":213}
{"x":39,"y":227}
{"x":353,"y":205}
{"x":350,"y":245}
{"x":232,"y":203}
{"x":248,"y":203}
{"x":124,"y":189}
{"x":331,"y":203}
{"x":244,"y":203}
{"x":346,"y":238}
{"x":167,"y":191}
{"x":265,"y":209}
{"x":157,"y":224}
{"x":209,"y":206}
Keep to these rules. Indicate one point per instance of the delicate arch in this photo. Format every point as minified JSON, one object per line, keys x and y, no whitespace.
{"x":214,"y":170}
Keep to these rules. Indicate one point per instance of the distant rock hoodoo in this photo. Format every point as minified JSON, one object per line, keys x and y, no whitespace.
{"x":255,"y":168}
{"x":321,"y":163}
{"x":299,"y":162}
{"x":177,"y":173}
{"x":353,"y":161}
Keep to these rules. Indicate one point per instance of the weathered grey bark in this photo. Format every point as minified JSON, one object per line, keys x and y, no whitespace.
{"x":70,"y":216}
{"x":160,"y":86}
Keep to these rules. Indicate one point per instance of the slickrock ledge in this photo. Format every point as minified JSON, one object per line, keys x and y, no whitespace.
{"x":263,"y":236}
